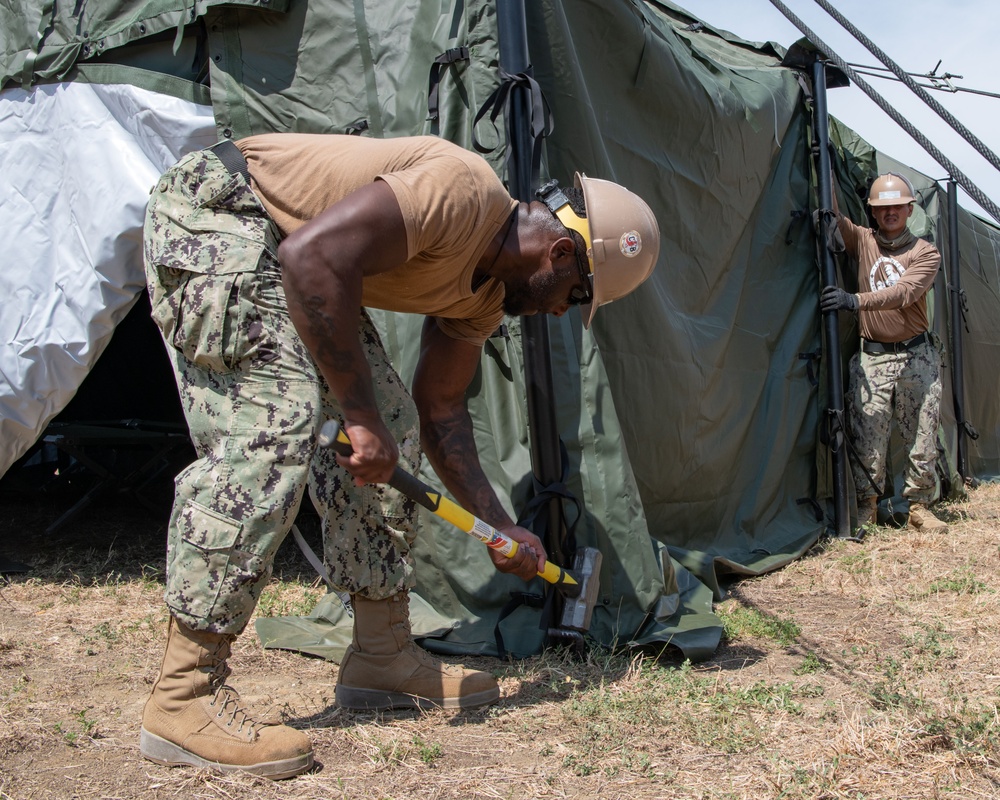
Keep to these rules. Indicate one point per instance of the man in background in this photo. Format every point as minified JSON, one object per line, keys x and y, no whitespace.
{"x":897,"y":371}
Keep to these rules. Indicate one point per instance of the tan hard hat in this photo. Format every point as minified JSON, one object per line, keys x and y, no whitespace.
{"x":622,"y":237}
{"x":890,"y":190}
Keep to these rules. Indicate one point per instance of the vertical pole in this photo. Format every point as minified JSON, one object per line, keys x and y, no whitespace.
{"x":513,"y":45}
{"x":831,"y":326}
{"x":955,"y":294}
{"x":543,"y":432}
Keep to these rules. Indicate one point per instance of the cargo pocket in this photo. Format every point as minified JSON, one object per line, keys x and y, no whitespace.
{"x":206,"y":309}
{"x":212,"y":576}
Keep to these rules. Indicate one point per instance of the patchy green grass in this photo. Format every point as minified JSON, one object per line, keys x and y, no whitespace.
{"x":960,"y":581}
{"x":746,"y":622}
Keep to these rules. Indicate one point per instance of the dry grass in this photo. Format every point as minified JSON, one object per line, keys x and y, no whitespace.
{"x":865,"y":670}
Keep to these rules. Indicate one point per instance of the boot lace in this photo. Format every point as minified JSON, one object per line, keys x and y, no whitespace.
{"x":228,"y":701}
{"x":225,"y":697}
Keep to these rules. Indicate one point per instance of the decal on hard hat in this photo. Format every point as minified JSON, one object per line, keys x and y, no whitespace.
{"x":890,"y":195}
{"x":630,"y":244}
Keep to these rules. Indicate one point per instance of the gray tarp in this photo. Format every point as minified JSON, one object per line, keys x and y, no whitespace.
{"x":77,"y":161}
{"x":692,"y":410}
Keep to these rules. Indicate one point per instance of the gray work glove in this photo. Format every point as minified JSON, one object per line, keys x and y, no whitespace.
{"x":834,"y":299}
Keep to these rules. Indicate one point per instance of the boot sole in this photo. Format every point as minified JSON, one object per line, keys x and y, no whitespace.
{"x":374,"y":700}
{"x":169,"y":754}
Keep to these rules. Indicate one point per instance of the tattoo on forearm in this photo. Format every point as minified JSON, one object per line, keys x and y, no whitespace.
{"x":451,"y":448}
{"x":325,"y":335}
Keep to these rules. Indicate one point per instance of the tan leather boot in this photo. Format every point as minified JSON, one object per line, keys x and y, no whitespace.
{"x":922,"y":519}
{"x":384,"y":668}
{"x":194,"y":718}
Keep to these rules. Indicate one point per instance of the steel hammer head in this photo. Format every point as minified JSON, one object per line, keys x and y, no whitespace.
{"x":578,"y":610}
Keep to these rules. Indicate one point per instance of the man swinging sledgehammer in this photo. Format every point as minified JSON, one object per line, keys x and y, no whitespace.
{"x":260,"y":258}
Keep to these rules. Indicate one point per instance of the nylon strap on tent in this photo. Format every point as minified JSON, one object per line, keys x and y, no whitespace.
{"x":321,"y":570}
{"x":499,"y":102}
{"x":28,"y":68}
{"x":446,"y":59}
{"x":963,"y":305}
{"x":825,"y":221}
{"x":813,"y":503}
{"x":535,"y":516}
{"x":796,"y":215}
{"x":187,"y":15}
{"x":836,"y":419}
{"x":312,"y":558}
{"x":811,"y":360}
{"x":357,"y":127}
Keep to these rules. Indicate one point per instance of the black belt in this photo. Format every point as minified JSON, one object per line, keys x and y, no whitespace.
{"x":879,"y":348}
{"x":232,"y":159}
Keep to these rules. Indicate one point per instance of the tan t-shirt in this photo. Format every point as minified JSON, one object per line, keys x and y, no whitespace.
{"x":453,"y":205}
{"x":892,"y":284}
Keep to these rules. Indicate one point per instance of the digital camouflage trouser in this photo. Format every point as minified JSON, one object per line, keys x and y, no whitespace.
{"x":908,"y":385}
{"x":254,"y":401}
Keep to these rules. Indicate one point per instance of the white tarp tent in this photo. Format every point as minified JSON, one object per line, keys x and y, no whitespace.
{"x":77,"y":162}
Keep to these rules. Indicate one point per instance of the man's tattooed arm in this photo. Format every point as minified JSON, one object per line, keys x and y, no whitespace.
{"x":451,"y":448}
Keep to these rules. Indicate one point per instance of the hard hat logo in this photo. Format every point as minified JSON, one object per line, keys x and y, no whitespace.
{"x":889,"y":195}
{"x":630,"y":244}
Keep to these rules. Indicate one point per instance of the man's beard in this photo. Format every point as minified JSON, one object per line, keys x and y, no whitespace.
{"x":529,"y":296}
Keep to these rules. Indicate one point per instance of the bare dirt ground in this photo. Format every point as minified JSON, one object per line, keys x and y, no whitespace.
{"x":864,"y":670}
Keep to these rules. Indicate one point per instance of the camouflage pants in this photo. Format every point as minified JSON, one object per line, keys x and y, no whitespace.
{"x":907,"y":385}
{"x":254,"y":402}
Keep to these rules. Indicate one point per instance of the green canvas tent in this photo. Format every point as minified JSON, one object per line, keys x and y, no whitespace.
{"x":693,"y":411}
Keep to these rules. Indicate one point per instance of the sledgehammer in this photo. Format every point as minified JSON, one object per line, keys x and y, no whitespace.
{"x":579,"y":586}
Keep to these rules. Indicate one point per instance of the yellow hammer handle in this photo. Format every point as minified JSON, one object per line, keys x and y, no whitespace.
{"x":486,"y":533}
{"x":332,"y":435}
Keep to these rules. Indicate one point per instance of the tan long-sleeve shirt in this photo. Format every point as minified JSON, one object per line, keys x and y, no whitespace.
{"x":892,"y":284}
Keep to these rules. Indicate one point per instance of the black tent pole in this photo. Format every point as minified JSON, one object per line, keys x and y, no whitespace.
{"x":955,"y":290}
{"x":831,"y":326}
{"x":542,"y":428}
